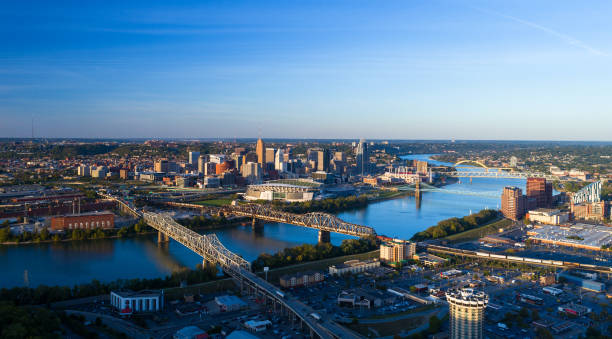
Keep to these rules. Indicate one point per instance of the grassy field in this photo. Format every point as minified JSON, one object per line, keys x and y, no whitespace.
{"x":479,"y":232}
{"x":320,"y":265}
{"x":215,"y":202}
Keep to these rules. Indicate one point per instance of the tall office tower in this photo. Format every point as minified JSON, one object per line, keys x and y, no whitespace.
{"x":238,"y":159}
{"x":193,"y":157}
{"x":340,"y":156}
{"x":202,"y":160}
{"x":539,"y":193}
{"x":251,"y":172}
{"x":270,"y":152}
{"x":279,"y":161}
{"x":466,"y":310}
{"x":513,"y":203}
{"x":363,"y":157}
{"x":323,"y":160}
{"x":260,"y":149}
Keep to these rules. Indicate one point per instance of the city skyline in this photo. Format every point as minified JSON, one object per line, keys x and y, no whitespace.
{"x":419,"y":70}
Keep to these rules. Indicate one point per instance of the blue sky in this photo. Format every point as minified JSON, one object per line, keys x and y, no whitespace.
{"x":309,"y":69}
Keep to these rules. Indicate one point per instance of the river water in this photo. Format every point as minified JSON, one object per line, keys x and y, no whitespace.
{"x":70,"y":263}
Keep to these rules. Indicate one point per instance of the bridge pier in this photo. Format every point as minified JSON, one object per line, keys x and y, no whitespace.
{"x":324,"y":237}
{"x":161,"y":237}
{"x":256,"y":225}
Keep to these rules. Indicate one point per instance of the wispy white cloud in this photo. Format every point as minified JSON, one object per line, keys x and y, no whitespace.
{"x":561,"y":36}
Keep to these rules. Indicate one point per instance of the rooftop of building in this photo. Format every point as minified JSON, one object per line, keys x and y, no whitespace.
{"x":85,"y":214}
{"x":578,"y":234}
{"x":139,"y":294}
{"x":467,"y":295}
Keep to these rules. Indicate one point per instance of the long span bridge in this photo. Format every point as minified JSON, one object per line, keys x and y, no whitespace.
{"x":323,"y":222}
{"x":212,"y":251}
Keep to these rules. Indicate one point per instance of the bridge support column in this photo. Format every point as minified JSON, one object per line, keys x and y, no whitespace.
{"x":161,"y":237}
{"x":324,"y":237}
{"x":256,"y":225}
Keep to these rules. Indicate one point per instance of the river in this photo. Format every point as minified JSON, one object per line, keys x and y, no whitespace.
{"x":70,"y":263}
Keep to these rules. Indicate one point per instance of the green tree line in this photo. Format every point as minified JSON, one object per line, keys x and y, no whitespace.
{"x":43,"y":294}
{"x":457,"y":225}
{"x":308,"y":252}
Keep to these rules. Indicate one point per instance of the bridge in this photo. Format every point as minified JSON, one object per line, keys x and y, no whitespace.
{"x":323,"y":222}
{"x":429,"y":188}
{"x":212,"y":251}
{"x":498,"y":174}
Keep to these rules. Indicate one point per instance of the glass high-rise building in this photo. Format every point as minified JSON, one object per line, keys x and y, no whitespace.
{"x":362,"y":158}
{"x":466,"y":313}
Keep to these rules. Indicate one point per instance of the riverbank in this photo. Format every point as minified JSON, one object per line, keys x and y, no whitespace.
{"x":229,"y":224}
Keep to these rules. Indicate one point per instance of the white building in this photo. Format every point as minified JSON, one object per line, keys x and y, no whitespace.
{"x":128,"y":302}
{"x":354,"y":266}
{"x":279,"y":161}
{"x":548,"y":216}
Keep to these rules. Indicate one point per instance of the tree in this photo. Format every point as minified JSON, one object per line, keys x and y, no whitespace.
{"x":434,"y":324}
{"x":5,"y":234}
{"x":542,"y":333}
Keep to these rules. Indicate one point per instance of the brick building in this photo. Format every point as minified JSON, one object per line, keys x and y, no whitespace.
{"x":86,"y":221}
{"x":299,"y":279}
{"x":539,"y":193}
{"x":513,"y":203}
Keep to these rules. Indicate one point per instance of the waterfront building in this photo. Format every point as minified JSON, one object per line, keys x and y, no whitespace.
{"x":260,"y":150}
{"x":287,"y":190}
{"x":397,"y":250}
{"x":128,"y":302}
{"x":513,"y":203}
{"x":87,"y":221}
{"x":193,"y":157}
{"x":353,"y":266}
{"x":466,"y":311}
{"x":539,"y":193}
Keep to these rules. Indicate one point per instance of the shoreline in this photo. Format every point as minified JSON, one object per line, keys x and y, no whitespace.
{"x":14,"y":243}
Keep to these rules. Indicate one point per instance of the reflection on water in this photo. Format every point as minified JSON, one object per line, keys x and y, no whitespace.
{"x":69,"y":263}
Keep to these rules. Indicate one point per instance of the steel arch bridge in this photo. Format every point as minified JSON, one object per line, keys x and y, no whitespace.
{"x":471,"y":162}
{"x":212,"y":250}
{"x":317,"y":220}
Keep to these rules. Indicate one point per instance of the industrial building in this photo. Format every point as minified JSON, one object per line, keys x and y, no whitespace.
{"x":87,"y":221}
{"x":591,"y":237}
